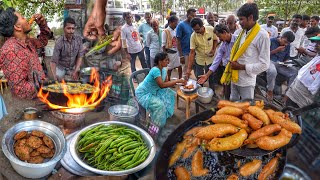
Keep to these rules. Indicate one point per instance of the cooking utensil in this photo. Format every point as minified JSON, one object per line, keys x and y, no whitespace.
{"x":294,"y":173}
{"x":145,"y":136}
{"x":30,"y":113}
{"x":220,"y":164}
{"x":29,"y":170}
{"x":124,"y":113}
{"x":205,"y":95}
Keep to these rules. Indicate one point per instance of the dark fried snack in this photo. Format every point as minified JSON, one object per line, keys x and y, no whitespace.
{"x":34,"y":153}
{"x":36,"y":160}
{"x":47,"y":141}
{"x":34,"y":142}
{"x":22,"y":152}
{"x":37,"y":133}
{"x":20,"y":142}
{"x":20,"y":135}
{"x":43,"y":149}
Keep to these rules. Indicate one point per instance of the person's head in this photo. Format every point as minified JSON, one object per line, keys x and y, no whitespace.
{"x":314,"y":21}
{"x":137,"y":17}
{"x":312,"y":31}
{"x":197,"y":25}
{"x":305,"y":21}
{"x":222,"y":21}
{"x":222,"y":32}
{"x":127,"y":16}
{"x":69,"y":26}
{"x":317,"y":40}
{"x":155,"y":25}
{"x":210,"y":18}
{"x":216,"y":17}
{"x":248,"y":14}
{"x":148,"y":17}
{"x":286,"y":38}
{"x":161,"y":59}
{"x":13,"y":23}
{"x":172,"y":13}
{"x":231,"y":22}
{"x":173,"y":21}
{"x":191,"y":13}
{"x":270,"y":19}
{"x":296,"y":21}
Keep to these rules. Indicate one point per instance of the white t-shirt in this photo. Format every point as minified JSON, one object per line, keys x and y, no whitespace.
{"x":256,"y":58}
{"x":297,"y":41}
{"x":132,"y":37}
{"x":173,"y":36}
{"x":309,"y":75}
{"x":272,"y":30}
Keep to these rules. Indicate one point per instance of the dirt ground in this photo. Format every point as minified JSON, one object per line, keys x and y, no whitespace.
{"x":15,"y":108}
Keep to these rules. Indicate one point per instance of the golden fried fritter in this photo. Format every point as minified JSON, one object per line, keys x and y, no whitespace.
{"x":34,"y":142}
{"x":37,"y":133}
{"x":48,"y":155}
{"x":20,"y":135}
{"x":48,"y":142}
{"x":34,"y":153}
{"x":22,"y":152}
{"x":36,"y":160}
{"x":43,"y":149}
{"x":20,"y":142}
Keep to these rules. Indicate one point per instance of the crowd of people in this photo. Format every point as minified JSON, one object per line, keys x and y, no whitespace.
{"x":231,"y":53}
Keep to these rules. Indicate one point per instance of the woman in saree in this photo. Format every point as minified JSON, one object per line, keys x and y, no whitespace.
{"x":154,"y":93}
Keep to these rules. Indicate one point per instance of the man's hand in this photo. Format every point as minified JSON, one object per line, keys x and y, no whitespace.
{"x":236,"y":66}
{"x":188,"y":73}
{"x":94,"y":27}
{"x":75,"y":75}
{"x":202,"y":79}
{"x":182,"y":61}
{"x":301,"y":50}
{"x":281,"y":48}
{"x":40,"y":20}
{"x":115,"y":45}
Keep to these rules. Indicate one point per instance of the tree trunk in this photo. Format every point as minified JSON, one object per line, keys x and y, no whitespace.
{"x":286,"y":14}
{"x":299,"y":7}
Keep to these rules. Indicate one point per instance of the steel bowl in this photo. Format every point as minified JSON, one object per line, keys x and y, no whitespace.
{"x":29,"y":170}
{"x":205,"y":94}
{"x":293,"y":172}
{"x":145,"y":136}
{"x":124,"y":113}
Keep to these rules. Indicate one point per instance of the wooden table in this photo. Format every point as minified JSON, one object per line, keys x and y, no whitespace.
{"x":188,"y":98}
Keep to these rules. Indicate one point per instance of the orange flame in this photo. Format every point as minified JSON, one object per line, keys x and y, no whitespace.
{"x":78,"y":102}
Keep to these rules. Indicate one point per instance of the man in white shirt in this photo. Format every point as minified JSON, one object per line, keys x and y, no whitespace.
{"x":210,"y":19}
{"x":269,"y":27}
{"x":298,"y":33}
{"x":255,"y":59}
{"x":131,"y":42}
{"x":169,"y":45}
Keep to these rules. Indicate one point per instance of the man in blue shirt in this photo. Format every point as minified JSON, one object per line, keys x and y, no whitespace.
{"x":223,"y":55}
{"x":143,"y":30}
{"x":279,"y":53}
{"x":183,"y":34}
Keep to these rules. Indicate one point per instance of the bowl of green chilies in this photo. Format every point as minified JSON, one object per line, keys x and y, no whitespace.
{"x":113,"y":148}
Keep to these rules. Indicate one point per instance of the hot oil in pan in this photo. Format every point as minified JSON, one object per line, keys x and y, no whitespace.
{"x":222,"y":164}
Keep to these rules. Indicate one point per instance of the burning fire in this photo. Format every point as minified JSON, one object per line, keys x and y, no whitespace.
{"x":78,"y":102}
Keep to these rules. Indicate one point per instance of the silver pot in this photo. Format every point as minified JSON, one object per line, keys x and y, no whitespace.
{"x":124,"y":113}
{"x":205,"y":94}
{"x":29,"y":170}
{"x":145,"y":136}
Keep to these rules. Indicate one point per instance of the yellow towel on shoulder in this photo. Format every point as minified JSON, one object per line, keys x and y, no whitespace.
{"x":230,"y":74}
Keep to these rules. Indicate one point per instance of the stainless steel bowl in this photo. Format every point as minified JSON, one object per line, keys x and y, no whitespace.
{"x":293,"y":172}
{"x":29,"y":170}
{"x":145,"y":136}
{"x":205,"y":94}
{"x":124,"y":113}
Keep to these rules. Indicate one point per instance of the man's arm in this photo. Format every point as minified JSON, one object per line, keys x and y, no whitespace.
{"x":164,"y":40}
{"x":190,"y":61}
{"x":45,"y":32}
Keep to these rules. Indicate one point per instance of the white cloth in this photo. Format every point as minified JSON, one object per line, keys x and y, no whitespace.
{"x":132,"y":37}
{"x":272,"y":30}
{"x":3,"y":109}
{"x":298,"y":41}
{"x":174,"y":60}
{"x":256,"y":58}
{"x":173,"y":36}
{"x":309,"y":75}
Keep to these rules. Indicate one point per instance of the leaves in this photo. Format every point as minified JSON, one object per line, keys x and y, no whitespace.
{"x":29,"y":7}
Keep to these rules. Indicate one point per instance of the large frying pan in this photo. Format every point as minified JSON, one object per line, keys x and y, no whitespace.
{"x":54,"y":97}
{"x":220,"y":164}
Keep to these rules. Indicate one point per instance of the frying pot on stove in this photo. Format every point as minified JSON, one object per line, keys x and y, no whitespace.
{"x":57,"y":98}
{"x":218,"y":161}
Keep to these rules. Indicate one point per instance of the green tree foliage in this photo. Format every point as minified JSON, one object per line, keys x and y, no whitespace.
{"x":285,"y":9}
{"x":48,"y":8}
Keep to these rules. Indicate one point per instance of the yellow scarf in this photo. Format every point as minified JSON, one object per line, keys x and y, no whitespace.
{"x":231,"y":74}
